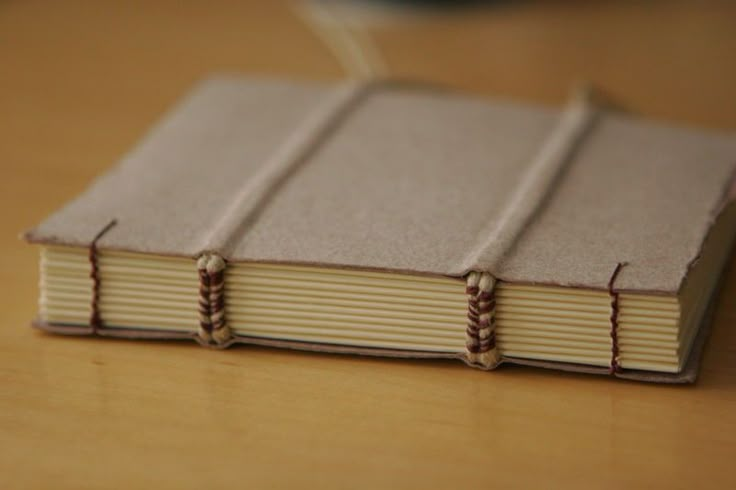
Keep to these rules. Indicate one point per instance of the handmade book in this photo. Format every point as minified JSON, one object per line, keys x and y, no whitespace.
{"x":393,"y":219}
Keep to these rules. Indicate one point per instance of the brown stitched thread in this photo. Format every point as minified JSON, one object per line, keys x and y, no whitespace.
{"x":486,"y":296}
{"x":486,"y":307}
{"x":487,"y":344}
{"x":615,"y":366}
{"x":472,"y":338}
{"x":473,"y":348}
{"x":217,"y":300}
{"x":480,"y":334}
{"x":213,"y":326}
{"x":205,"y":322}
{"x":95,"y":320}
{"x":490,"y":322}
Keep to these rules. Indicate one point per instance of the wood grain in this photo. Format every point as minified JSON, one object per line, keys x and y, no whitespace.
{"x":81,"y":81}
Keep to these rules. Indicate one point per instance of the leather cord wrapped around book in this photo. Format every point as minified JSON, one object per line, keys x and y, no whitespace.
{"x":391,"y":219}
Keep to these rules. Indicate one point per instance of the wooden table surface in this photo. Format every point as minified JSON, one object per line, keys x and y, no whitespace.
{"x":80,"y":82}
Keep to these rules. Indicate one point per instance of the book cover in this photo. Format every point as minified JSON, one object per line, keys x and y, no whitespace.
{"x":396,"y":219}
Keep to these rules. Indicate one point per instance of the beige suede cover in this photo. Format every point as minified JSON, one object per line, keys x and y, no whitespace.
{"x":410,"y":181}
{"x":413,"y":179}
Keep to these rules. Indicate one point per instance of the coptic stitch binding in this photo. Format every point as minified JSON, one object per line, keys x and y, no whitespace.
{"x":517,"y":213}
{"x":212,"y":324}
{"x":541,"y":176}
{"x":481,"y":350}
{"x":252,"y":197}
{"x":95,"y":319}
{"x":615,"y":365}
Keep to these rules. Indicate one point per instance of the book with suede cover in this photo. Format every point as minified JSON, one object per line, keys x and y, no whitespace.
{"x":400,"y":220}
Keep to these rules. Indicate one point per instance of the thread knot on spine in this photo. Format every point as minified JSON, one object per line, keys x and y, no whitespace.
{"x":480,"y":334}
{"x":615,"y":365}
{"x":213,"y":327}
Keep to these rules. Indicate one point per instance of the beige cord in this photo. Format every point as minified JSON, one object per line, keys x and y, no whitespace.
{"x":480,"y":335}
{"x":212,"y":324}
{"x":352,"y":47}
{"x":537,"y":182}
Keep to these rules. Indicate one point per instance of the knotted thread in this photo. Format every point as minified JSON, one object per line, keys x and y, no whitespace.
{"x":615,"y":367}
{"x":480,"y":334}
{"x":212,"y":324}
{"x":245,"y":206}
{"x":95,"y":320}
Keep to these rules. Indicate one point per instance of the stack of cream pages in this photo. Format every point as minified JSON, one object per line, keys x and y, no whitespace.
{"x":399,"y":220}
